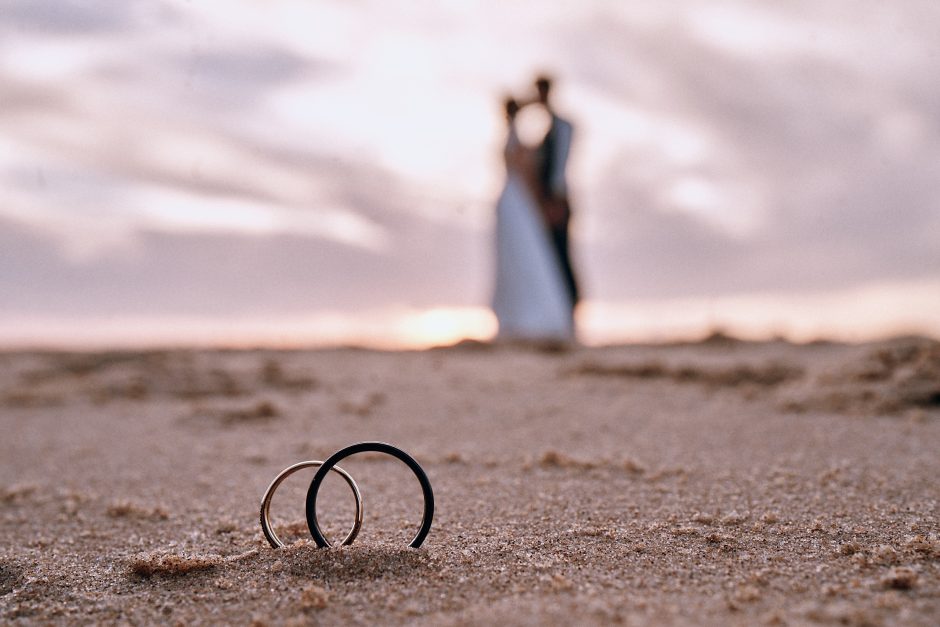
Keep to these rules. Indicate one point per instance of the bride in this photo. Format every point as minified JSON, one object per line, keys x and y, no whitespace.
{"x":530,"y":301}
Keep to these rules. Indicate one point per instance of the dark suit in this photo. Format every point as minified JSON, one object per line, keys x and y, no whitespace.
{"x":552,"y":161}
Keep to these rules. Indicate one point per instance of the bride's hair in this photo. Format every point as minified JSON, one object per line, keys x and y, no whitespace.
{"x":512,"y":107}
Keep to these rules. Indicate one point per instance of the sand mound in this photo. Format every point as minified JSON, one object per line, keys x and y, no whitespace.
{"x":173,"y":564}
{"x":769,"y":374}
{"x":139,"y":376}
{"x":892,"y":378}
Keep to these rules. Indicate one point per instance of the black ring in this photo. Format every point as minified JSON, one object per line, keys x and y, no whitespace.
{"x":362,"y":447}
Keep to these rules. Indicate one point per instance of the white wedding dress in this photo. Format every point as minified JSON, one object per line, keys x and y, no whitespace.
{"x":530,"y":299}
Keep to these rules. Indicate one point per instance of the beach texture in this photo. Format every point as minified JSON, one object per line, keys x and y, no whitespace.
{"x":720,"y":482}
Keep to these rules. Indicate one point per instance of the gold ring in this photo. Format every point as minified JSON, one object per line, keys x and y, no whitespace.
{"x":272,"y":538}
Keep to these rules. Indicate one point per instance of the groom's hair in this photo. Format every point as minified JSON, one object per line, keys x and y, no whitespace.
{"x":543,"y":84}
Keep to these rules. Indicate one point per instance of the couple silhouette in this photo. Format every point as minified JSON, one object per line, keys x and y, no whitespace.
{"x":536,"y":290}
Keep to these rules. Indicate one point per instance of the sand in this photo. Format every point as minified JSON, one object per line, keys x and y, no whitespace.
{"x":719,"y":483}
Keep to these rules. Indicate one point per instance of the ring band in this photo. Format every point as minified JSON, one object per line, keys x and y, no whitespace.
{"x":378,"y":447}
{"x":269,"y":534}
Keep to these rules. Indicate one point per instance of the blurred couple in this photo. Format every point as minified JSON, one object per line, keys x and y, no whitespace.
{"x":536,"y":291}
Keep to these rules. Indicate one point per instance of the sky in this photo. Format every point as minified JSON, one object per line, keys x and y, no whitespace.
{"x":294,"y":172}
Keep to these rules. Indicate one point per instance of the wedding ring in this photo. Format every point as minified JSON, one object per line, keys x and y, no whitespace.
{"x":378,"y":447}
{"x":272,"y":538}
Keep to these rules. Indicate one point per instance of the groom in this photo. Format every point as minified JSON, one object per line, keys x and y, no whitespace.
{"x":551,"y":163}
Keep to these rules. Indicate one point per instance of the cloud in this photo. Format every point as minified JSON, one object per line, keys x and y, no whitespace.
{"x":844,"y":195}
{"x":238,"y":79}
{"x":226,"y":274}
{"x":75,"y":17}
{"x":661,"y":254}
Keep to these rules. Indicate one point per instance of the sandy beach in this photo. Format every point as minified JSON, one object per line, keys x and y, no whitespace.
{"x":720,"y":482}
